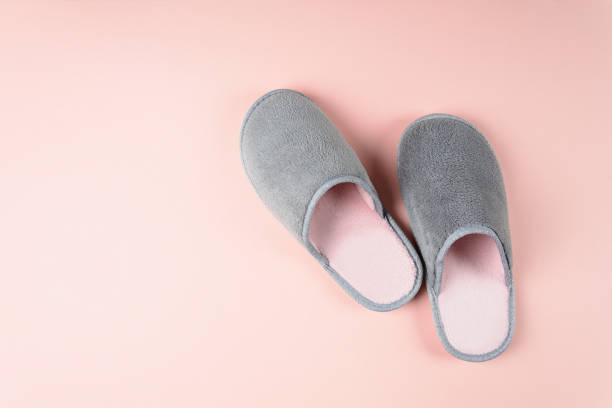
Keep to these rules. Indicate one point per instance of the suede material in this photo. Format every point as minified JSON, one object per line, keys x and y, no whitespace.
{"x":289,"y":150}
{"x":292,"y":154}
{"x":452,"y":185}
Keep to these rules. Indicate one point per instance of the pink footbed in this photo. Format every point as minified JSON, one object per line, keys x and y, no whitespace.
{"x":360,"y":245}
{"x":473,"y":297}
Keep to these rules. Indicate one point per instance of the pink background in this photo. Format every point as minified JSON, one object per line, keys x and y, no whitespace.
{"x":139,"y":269}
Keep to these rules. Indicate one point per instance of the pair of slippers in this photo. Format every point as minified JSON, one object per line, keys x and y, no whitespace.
{"x":309,"y":177}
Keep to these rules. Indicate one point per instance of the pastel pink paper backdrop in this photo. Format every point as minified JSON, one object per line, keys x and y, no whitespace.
{"x":139,"y":269}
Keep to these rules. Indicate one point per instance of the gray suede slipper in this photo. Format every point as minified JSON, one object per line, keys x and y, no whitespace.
{"x":311,"y":180}
{"x":454,"y":193}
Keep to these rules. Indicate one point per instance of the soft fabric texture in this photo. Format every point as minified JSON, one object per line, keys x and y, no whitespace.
{"x":345,"y":228}
{"x":473,"y":297}
{"x":453,"y":190}
{"x":293,"y":155}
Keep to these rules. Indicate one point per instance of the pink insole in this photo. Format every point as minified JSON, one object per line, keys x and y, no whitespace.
{"x":360,"y":245}
{"x":473,"y":297}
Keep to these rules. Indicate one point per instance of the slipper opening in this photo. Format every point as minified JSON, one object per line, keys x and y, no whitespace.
{"x":360,"y":245}
{"x":474,"y":298}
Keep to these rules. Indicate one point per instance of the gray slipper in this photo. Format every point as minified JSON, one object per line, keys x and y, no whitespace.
{"x":454,"y":193}
{"x":314,"y":184}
